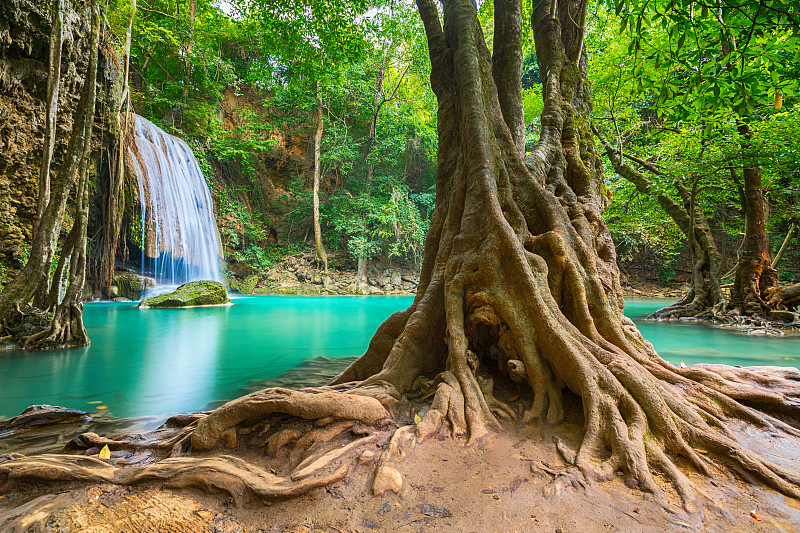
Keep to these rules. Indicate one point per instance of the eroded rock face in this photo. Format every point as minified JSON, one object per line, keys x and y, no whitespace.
{"x":190,"y":294}
{"x":25,"y":27}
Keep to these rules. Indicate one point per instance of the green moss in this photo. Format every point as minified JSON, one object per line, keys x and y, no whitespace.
{"x":191,"y":294}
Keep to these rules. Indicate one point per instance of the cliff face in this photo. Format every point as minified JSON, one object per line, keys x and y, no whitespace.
{"x":25,"y":27}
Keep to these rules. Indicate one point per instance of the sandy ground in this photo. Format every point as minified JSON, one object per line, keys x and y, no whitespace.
{"x":495,"y":485}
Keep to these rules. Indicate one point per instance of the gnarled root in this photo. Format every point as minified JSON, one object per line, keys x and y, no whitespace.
{"x":323,"y":452}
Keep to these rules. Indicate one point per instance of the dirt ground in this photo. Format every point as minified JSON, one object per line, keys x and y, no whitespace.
{"x":498,"y":485}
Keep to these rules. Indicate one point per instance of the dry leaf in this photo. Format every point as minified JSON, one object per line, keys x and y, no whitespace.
{"x":105,"y":453}
{"x":417,"y":419}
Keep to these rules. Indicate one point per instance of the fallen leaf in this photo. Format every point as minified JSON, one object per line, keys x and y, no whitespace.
{"x":514,"y":398}
{"x":102,"y":407}
{"x":755,"y":515}
{"x":701,"y":452}
{"x":417,"y":419}
{"x":96,"y":401}
{"x":105,"y":453}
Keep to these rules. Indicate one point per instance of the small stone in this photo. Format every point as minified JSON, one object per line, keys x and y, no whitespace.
{"x":387,"y":479}
{"x":366,"y":457}
{"x":385,"y":508}
{"x":92,"y":451}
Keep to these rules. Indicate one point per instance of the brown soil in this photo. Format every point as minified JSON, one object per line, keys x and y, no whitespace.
{"x":499,"y":484}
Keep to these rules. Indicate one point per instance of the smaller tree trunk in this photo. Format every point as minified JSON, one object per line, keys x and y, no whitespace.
{"x":113,"y":214}
{"x":754,"y":273}
{"x":361,"y":273}
{"x":779,"y":255}
{"x":62,"y":270}
{"x":705,"y":290}
{"x":53,"y":82}
{"x":322,"y":255}
{"x":507,"y":66}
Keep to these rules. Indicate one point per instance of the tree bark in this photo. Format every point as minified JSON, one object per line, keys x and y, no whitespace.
{"x":53,"y":82}
{"x":322,"y":255}
{"x":113,"y":208}
{"x":520,"y":272}
{"x":507,"y":66}
{"x":754,"y":272}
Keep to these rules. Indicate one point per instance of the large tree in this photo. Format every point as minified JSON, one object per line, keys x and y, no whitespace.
{"x":519,"y":281}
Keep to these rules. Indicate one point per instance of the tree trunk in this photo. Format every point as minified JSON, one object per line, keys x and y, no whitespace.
{"x":786,"y":240}
{"x":704,"y":297}
{"x":507,"y":66}
{"x":754,"y":272}
{"x":520,"y":273}
{"x":322,"y":255}
{"x":19,"y":291}
{"x":113,"y":208}
{"x":373,"y":124}
{"x":53,"y":81}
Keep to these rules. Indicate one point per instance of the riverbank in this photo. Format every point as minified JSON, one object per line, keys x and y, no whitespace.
{"x":507,"y":482}
{"x":301,"y":274}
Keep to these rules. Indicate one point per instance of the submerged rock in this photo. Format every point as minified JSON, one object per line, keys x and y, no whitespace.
{"x":131,"y":285}
{"x":190,"y":294}
{"x":42,"y":415}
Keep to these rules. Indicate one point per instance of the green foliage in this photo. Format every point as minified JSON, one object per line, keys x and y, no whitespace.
{"x":388,"y":221}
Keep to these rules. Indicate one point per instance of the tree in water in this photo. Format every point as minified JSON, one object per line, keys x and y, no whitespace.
{"x":519,"y":275}
{"x":704,"y":297}
{"x":66,"y":328}
{"x":665,"y":70}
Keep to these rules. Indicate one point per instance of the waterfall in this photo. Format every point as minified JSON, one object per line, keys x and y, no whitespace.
{"x":180,"y":242}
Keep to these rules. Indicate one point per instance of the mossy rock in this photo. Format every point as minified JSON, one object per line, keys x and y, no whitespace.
{"x":191,"y":294}
{"x":132,"y":286}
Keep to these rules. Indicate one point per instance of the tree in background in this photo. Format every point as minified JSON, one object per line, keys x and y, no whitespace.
{"x":685,"y":90}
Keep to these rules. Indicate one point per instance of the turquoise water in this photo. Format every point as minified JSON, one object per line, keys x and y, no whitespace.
{"x":162,"y":361}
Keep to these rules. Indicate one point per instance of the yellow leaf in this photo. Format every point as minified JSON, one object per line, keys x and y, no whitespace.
{"x":789,"y":359}
{"x":417,"y":419}
{"x":778,"y":101}
{"x":105,"y":453}
{"x":102,"y":407}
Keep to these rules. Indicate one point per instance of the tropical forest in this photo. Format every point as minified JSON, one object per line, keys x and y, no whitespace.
{"x":393,"y":265}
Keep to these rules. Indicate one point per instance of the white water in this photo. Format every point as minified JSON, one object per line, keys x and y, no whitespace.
{"x":180,"y":242}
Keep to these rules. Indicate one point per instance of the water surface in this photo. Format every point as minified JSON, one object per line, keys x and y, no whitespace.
{"x":163,"y":361}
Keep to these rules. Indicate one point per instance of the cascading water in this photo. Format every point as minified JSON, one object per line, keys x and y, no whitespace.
{"x":180,"y":242}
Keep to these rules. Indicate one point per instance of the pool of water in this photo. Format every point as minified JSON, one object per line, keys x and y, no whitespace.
{"x":162,"y":361}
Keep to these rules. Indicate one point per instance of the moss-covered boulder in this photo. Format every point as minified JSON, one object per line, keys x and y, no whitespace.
{"x":131,"y":285}
{"x":191,"y":294}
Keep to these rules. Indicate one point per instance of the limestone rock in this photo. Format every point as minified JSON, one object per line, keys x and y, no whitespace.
{"x":191,"y":294}
{"x":387,"y":479}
